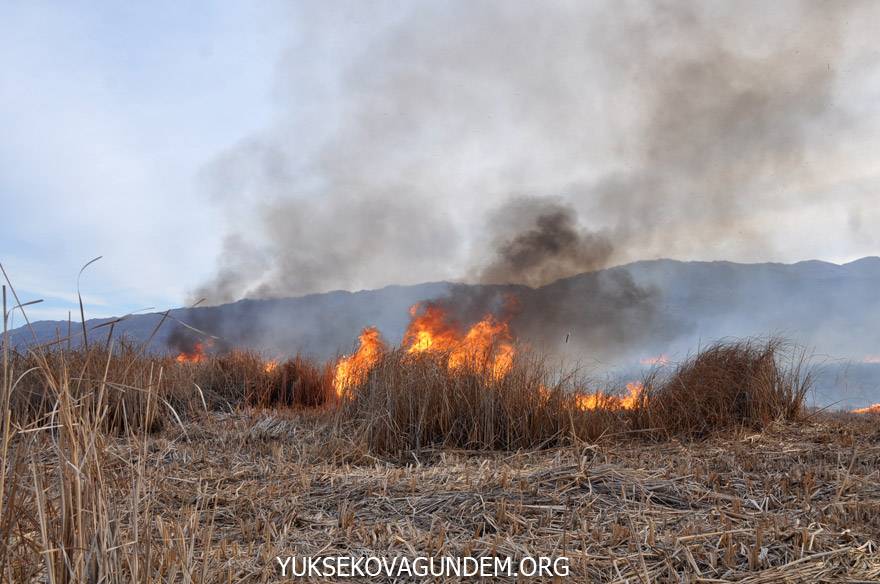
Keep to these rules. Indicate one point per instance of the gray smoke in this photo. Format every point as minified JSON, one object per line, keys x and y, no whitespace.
{"x":522,"y":142}
{"x":537,"y":241}
{"x":733,"y":131}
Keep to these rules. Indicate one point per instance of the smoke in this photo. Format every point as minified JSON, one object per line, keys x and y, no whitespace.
{"x":734,"y":132}
{"x":665,"y":128}
{"x":537,"y":241}
{"x":517,"y":142}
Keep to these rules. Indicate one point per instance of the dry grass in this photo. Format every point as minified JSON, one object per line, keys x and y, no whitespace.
{"x":796,"y":503}
{"x":409,"y":402}
{"x":44,"y":381}
{"x":75,"y":507}
{"x":748,"y":383}
{"x":412,"y":401}
{"x":296,"y":382}
{"x":118,"y":467}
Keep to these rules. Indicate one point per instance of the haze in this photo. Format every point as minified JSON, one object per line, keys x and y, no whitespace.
{"x":274,"y":149}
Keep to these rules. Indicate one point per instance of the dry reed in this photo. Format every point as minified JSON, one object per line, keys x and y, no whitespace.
{"x":118,"y":466}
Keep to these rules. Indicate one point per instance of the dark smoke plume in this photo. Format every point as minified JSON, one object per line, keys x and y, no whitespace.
{"x":538,"y":241}
{"x":640,"y":130}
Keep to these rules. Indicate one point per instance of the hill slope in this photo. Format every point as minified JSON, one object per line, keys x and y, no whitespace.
{"x":611,"y":316}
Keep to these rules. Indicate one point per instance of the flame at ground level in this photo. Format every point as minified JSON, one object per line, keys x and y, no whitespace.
{"x":487,"y":347}
{"x":599,"y":400}
{"x":197,"y":355}
{"x":353,"y":369}
{"x":658,"y":360}
{"x":872,"y":409}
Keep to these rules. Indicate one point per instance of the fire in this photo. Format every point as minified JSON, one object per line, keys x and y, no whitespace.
{"x":593,"y":401}
{"x":429,"y":331}
{"x":270,"y":366}
{"x":661,"y":360}
{"x":486,"y":346}
{"x":872,"y":409}
{"x":488,"y":343}
{"x":543,"y":393}
{"x":197,"y":355}
{"x":353,"y":369}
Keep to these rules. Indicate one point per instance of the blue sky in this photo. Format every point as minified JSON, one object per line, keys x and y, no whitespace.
{"x":129,"y":131}
{"x":109,"y":113}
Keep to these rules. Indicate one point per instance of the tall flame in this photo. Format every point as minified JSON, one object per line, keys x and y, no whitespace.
{"x":485,"y":346}
{"x":429,"y":330}
{"x":352,"y":370}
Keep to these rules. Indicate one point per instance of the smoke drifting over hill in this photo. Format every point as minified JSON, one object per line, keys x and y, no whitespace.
{"x":537,"y":241}
{"x":661,"y":126}
{"x":515,"y":142}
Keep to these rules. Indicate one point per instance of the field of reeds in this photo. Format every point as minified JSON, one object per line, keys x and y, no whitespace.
{"x":123,"y":466}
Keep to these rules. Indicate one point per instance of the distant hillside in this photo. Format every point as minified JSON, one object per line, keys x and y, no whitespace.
{"x":317,"y":324}
{"x":609,"y":317}
{"x":832,"y":308}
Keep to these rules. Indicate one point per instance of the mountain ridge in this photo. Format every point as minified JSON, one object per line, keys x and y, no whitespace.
{"x":682,"y":300}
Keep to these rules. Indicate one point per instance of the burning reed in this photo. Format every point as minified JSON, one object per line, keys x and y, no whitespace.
{"x":490,"y":395}
{"x":81,"y":477}
{"x":411,"y":401}
{"x":297,"y":382}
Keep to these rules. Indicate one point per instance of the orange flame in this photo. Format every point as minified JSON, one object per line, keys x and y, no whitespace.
{"x":270,"y":366}
{"x":660,"y":360}
{"x":196,"y":356}
{"x":486,"y":346}
{"x":872,"y":409}
{"x":599,"y":400}
{"x":429,"y":331}
{"x":352,"y":370}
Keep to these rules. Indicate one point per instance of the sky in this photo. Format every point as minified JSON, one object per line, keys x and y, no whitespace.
{"x":109,"y":112}
{"x":188,"y":142}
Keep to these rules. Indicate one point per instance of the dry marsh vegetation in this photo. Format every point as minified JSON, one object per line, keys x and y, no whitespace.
{"x":747,"y":383}
{"x":408,"y":402}
{"x":123,"y":467}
